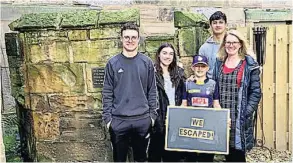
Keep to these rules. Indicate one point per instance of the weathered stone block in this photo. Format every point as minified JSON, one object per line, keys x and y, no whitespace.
{"x":83,"y":18}
{"x":27,"y":101}
{"x":152,"y":46}
{"x":48,"y":50}
{"x":77,"y":34}
{"x":50,"y":78}
{"x":187,"y":19}
{"x":191,"y":39}
{"x":187,"y":61}
{"x":153,"y":43}
{"x":187,"y":42}
{"x":201,"y":36}
{"x":151,"y":55}
{"x":52,"y":33}
{"x":95,"y":51}
{"x":103,"y":33}
{"x":45,"y":37}
{"x":82,"y":130}
{"x":36,"y":21}
{"x":37,"y":54}
{"x":32,"y":40}
{"x":59,"y":52}
{"x":141,"y":46}
{"x":74,"y":151}
{"x":63,"y":103}
{"x":46,"y":125}
{"x":119,"y":17}
{"x":39,"y":103}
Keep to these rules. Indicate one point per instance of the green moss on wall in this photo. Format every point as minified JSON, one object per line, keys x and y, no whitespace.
{"x":119,"y":17}
{"x":79,"y":18}
{"x":187,"y":19}
{"x":36,"y":21}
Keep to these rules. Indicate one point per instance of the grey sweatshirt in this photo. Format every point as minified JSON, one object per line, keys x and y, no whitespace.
{"x":129,"y":90}
{"x":210,"y":49}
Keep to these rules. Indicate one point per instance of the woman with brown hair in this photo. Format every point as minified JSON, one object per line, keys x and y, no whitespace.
{"x":237,"y":74}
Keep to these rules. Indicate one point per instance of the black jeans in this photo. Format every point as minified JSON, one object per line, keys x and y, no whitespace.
{"x":235,"y":155}
{"x":125,"y":133}
{"x":199,"y":157}
{"x":157,"y":153}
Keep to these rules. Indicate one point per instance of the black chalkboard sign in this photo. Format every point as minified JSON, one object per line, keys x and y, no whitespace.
{"x":98,"y":77}
{"x":202,"y":130}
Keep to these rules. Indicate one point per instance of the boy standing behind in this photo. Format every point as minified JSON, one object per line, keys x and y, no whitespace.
{"x":202,"y":92}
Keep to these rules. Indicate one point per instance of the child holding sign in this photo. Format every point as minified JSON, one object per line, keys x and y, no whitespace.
{"x":201,"y":92}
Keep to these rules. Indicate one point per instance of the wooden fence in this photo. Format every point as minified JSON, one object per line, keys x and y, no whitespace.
{"x":274,"y":121}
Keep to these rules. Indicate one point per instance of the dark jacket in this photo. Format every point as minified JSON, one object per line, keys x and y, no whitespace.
{"x":248,"y":98}
{"x":164,"y":101}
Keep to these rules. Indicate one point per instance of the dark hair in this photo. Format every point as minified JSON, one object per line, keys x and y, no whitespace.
{"x":217,"y":16}
{"x":130,"y":26}
{"x":173,"y":68}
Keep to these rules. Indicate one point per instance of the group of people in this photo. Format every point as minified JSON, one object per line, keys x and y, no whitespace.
{"x":137,"y":91}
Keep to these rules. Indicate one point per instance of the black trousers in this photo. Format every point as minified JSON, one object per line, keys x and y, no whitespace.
{"x":157,"y":153}
{"x":235,"y":155}
{"x":126,"y":133}
{"x":199,"y":157}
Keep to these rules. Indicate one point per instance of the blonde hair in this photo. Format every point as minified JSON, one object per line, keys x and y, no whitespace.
{"x":222,"y":54}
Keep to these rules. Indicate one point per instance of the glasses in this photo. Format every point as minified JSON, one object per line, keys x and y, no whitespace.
{"x":127,"y":38}
{"x":228,"y":43}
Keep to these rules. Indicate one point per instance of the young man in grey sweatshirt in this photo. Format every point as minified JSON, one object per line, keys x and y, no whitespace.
{"x":218,"y":24}
{"x":129,"y":98}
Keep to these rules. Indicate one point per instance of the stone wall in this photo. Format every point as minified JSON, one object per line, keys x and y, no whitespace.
{"x":59,"y":109}
{"x":51,"y":61}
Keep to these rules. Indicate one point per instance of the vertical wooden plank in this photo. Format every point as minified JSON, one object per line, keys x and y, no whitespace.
{"x":290,"y":87}
{"x":250,"y":38}
{"x":268,"y":89}
{"x":281,"y":87}
{"x":259,"y":120}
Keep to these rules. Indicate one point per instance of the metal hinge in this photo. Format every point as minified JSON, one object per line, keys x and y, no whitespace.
{"x":288,"y":88}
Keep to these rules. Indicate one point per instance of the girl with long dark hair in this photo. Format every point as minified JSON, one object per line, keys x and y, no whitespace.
{"x":170,"y":85}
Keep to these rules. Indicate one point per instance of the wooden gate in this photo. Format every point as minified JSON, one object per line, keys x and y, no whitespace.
{"x":274,"y":120}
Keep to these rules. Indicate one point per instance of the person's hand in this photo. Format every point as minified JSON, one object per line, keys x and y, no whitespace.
{"x":191,"y":78}
{"x":153,"y":122}
{"x":229,"y":123}
{"x":108,"y":125}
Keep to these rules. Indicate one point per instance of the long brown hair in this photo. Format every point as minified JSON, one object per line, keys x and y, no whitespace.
{"x":173,"y":68}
